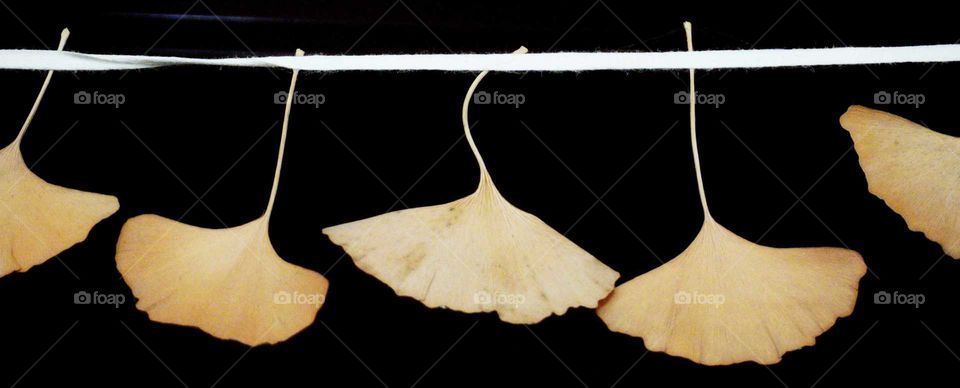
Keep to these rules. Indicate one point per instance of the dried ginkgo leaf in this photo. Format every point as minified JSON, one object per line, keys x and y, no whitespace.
{"x":228,"y":282}
{"x":38,"y":220}
{"x":477,"y":254}
{"x":913,"y":169}
{"x":726,"y":300}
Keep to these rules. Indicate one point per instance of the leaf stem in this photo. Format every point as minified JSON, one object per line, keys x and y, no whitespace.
{"x":692,"y":99}
{"x":283,"y":139}
{"x":484,"y":175}
{"x":43,"y":89}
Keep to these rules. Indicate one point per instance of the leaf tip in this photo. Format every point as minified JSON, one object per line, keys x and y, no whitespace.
{"x":855,"y":117}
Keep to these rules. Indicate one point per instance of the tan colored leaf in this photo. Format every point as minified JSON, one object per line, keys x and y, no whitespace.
{"x":38,"y":220}
{"x":228,"y":282}
{"x":726,"y":300}
{"x":913,"y":169}
{"x":477,"y":254}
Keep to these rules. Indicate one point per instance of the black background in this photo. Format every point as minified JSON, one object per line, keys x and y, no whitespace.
{"x":180,"y":130}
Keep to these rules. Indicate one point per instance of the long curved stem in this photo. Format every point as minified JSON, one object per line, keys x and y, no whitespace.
{"x":43,"y":89}
{"x":484,"y":175}
{"x":693,"y":128}
{"x":283,"y":139}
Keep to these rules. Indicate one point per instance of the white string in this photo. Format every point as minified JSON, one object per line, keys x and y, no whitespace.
{"x":565,"y":61}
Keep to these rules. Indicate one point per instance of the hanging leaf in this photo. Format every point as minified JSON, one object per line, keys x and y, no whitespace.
{"x":726,"y":300}
{"x":913,"y":169}
{"x":477,"y":254}
{"x":228,"y":282}
{"x":39,"y":220}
